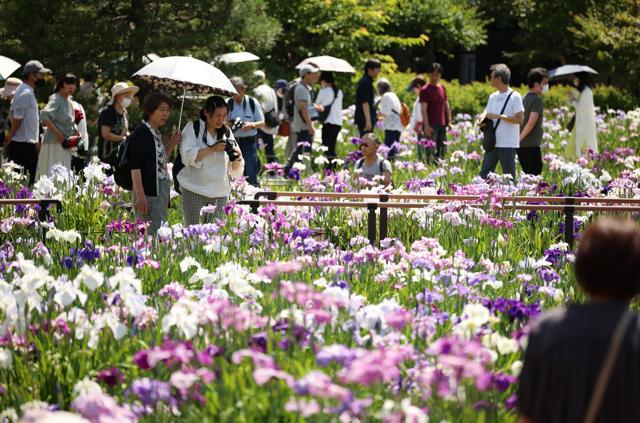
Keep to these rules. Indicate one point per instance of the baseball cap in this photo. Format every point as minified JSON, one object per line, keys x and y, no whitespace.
{"x":280,"y":84}
{"x":10,"y":87}
{"x":308,"y":68}
{"x":34,"y":66}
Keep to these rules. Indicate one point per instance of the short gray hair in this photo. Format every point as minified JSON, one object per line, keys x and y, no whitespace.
{"x":501,"y":71}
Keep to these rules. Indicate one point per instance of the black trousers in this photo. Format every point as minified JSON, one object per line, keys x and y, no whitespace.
{"x":304,"y":139}
{"x":25,"y":155}
{"x":267,"y":140}
{"x":530,"y":159}
{"x":329,"y":136}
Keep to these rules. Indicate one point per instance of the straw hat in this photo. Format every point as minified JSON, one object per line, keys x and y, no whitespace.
{"x":10,"y":87}
{"x":121,"y":88}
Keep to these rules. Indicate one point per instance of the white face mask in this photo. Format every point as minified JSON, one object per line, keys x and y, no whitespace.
{"x":545,"y":88}
{"x":125,"y":102}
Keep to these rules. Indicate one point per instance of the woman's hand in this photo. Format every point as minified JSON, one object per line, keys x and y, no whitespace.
{"x":219,"y":147}
{"x":141,"y":203}
{"x":176,"y":138}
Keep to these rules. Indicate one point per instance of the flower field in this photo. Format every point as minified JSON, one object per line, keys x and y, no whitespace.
{"x":262,"y":317}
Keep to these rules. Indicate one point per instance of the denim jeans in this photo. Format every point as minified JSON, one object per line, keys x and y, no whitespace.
{"x":506,"y":157}
{"x":249,"y":149}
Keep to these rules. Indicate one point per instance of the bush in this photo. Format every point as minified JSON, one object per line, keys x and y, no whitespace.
{"x":610,"y":97}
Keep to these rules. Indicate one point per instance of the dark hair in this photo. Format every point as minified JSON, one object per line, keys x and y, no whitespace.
{"x":436,"y":67}
{"x":608,"y":260}
{"x":585,"y":81}
{"x":372,"y":64}
{"x":536,"y":75}
{"x":152,"y":102}
{"x":65,"y":78}
{"x":418,"y":82}
{"x":327,"y":77}
{"x":210,"y":105}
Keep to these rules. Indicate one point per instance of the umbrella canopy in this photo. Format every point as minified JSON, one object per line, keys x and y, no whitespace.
{"x":570,"y":70}
{"x":187,"y":73}
{"x":240,"y":57}
{"x":328,"y":63}
{"x":7,"y":67}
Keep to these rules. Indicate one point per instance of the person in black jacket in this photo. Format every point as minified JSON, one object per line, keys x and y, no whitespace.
{"x":148,"y":158}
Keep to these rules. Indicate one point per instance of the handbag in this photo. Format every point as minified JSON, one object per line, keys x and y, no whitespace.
{"x":489,"y":131}
{"x":600,"y":388}
{"x":270,"y":119}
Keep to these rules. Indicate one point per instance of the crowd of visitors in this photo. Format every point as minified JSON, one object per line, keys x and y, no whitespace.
{"x":244,"y":122}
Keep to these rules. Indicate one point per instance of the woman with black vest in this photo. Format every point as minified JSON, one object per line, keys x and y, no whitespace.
{"x":148,"y":157}
{"x":204,"y":180}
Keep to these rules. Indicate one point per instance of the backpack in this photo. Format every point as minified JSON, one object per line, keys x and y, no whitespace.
{"x":324,"y":115}
{"x":288,"y":98}
{"x":122,"y":171}
{"x":360,"y":162}
{"x":405,"y":114}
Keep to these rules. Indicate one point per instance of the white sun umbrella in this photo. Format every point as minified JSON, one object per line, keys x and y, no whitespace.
{"x":328,"y":63}
{"x":190,"y":74}
{"x":567,"y":70}
{"x":7,"y":67}
{"x":239,"y":57}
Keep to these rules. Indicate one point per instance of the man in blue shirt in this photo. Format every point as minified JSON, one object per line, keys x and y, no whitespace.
{"x":248,"y":110}
{"x":365,"y":117}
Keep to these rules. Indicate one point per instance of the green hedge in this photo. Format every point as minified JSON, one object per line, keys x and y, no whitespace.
{"x":472,"y":98}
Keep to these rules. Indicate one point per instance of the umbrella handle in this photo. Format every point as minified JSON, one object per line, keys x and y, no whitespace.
{"x":184,"y":92}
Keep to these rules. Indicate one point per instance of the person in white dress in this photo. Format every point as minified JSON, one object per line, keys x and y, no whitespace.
{"x":583,"y":136}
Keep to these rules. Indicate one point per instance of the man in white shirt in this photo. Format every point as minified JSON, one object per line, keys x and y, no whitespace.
{"x":25,"y":119}
{"x":269,"y":103}
{"x":330,"y":98}
{"x":506,"y":120}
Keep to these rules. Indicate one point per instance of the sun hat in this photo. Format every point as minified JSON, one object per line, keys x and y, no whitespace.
{"x":259,"y":74}
{"x":10,"y":87}
{"x":121,"y":88}
{"x":308,"y":68}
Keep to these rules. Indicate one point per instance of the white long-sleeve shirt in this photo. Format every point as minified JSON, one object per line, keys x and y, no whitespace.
{"x":210,"y":176}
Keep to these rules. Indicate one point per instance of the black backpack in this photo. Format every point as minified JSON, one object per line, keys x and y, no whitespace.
{"x":360,"y":162}
{"x":288,"y":98}
{"x":122,"y":170}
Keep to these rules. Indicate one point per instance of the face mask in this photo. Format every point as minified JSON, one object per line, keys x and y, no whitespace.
{"x":39,"y":83}
{"x":125,"y":102}
{"x":545,"y":88}
{"x":576,"y":82}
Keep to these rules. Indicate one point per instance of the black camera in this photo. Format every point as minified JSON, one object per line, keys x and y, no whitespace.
{"x":236,"y":124}
{"x":228,"y":148}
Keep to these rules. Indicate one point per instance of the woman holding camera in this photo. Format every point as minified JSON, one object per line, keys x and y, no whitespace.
{"x":210,"y":154}
{"x":148,"y":162}
{"x":61,"y":132}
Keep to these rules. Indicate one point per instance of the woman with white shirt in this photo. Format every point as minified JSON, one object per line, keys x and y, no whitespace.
{"x":390,"y":109}
{"x":330,"y":98}
{"x":204,"y":180}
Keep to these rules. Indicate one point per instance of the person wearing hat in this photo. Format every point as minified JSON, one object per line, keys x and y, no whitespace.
{"x":25,"y":119}
{"x":113,"y":122}
{"x":7,"y":92}
{"x":302,"y":123}
{"x":247,"y":111}
{"x":269,"y":103}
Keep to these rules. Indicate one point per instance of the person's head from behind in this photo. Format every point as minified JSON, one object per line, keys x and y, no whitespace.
{"x":326,"y":79}
{"x":240,"y":86}
{"x":156,"y":109}
{"x":538,"y":79}
{"x":372,"y":68}
{"x":607,"y":263}
{"x":500,"y":75}
{"x":66,"y":84}
{"x":369,"y":145}
{"x":214,"y":112}
{"x":416,"y":84}
{"x":435,"y":73}
{"x":259,"y":77}
{"x":581,"y":80}
{"x":383,"y":86}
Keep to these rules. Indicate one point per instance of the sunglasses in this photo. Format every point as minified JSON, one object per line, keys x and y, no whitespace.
{"x":70,"y":81}
{"x":366,"y":145}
